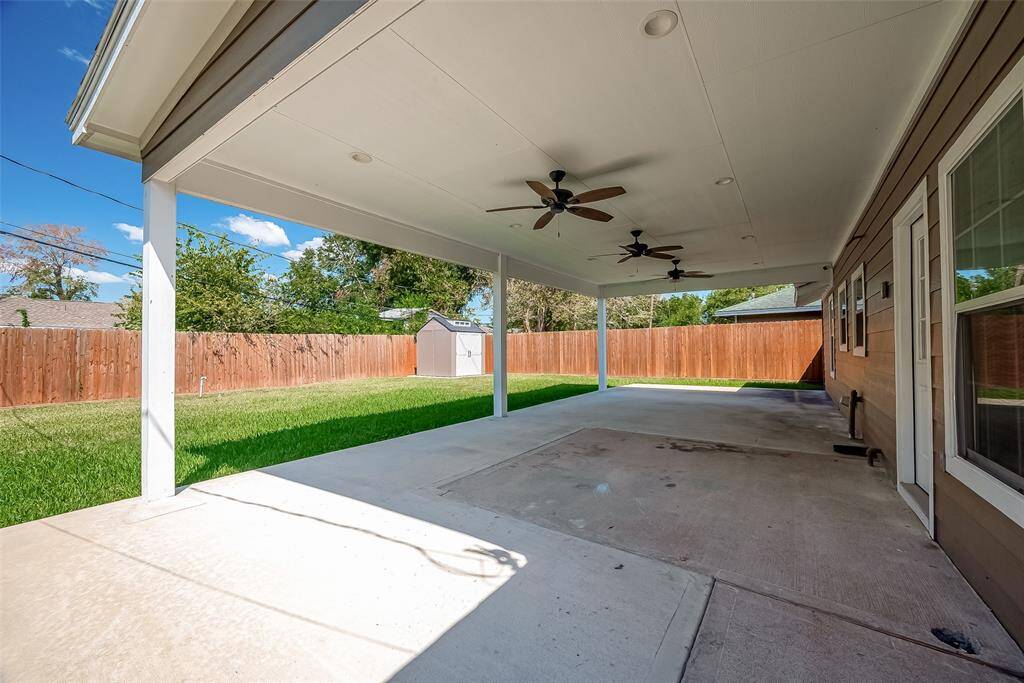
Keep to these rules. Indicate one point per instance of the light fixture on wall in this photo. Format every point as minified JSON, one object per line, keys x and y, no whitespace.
{"x":725,"y":180}
{"x":659,"y":23}
{"x":361,"y":157}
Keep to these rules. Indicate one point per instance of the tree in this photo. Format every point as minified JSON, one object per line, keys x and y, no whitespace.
{"x":341,"y":285}
{"x":686,"y":309}
{"x":218,"y":288}
{"x":42,"y":271}
{"x":723,"y":298}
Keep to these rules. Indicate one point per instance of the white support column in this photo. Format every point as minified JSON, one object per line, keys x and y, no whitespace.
{"x":498,"y":325}
{"x":158,"y":255}
{"x":602,"y":344}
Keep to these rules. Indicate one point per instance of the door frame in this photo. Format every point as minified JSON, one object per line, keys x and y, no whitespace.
{"x":916,"y":207}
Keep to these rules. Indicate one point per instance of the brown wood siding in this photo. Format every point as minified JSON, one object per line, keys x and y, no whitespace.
{"x":268,"y":37}
{"x":986,"y":546}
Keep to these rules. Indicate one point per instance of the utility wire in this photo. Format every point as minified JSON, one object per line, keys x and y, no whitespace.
{"x":71,"y":241}
{"x":68,"y":182}
{"x":68,"y":249}
{"x":181,"y":226}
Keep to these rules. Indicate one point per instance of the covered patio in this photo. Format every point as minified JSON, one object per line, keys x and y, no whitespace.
{"x":634,"y":533}
{"x":620,"y":535}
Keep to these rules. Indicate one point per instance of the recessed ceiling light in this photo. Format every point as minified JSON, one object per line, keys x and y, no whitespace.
{"x":361,"y":157}
{"x":725,"y":180}
{"x":515,"y":225}
{"x":659,"y":23}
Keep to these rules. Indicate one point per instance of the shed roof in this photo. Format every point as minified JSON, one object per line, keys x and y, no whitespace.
{"x":52,"y":313}
{"x":782,"y":301}
{"x":454,"y":325}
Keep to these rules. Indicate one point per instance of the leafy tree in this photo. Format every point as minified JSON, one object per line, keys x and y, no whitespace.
{"x":686,"y":309}
{"x":219,"y":288}
{"x":723,"y":298}
{"x":51,"y":272}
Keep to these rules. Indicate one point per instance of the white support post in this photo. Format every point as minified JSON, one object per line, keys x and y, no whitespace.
{"x":498,"y":325}
{"x":602,"y":344}
{"x":158,"y":255}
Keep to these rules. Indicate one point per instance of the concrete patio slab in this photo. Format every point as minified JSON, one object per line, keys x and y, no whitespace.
{"x":356,"y":565}
{"x":746,"y":637}
{"x":827,"y":530}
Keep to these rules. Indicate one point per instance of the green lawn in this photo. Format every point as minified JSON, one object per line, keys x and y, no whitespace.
{"x":58,"y":458}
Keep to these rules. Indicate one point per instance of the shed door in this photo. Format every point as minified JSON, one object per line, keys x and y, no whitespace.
{"x":469,"y":354}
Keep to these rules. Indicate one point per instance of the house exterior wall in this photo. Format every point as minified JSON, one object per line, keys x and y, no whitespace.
{"x":985,"y":545}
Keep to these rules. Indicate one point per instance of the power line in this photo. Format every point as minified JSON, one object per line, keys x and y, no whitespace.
{"x":71,"y":241}
{"x":68,"y":249}
{"x":181,"y":226}
{"x":68,"y":182}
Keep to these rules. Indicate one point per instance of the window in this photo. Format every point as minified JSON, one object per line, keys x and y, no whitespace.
{"x":844,"y":322}
{"x":860,"y":316}
{"x":831,"y":308}
{"x":982,"y":204}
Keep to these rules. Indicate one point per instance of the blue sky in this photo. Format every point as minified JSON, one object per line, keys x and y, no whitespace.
{"x":44,"y":49}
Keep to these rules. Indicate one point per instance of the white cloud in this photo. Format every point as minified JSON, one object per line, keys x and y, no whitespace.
{"x":302,"y":247}
{"x":132,"y":233}
{"x":98,"y":277}
{"x":74,"y":55}
{"x":11,"y":265}
{"x":258,"y":232}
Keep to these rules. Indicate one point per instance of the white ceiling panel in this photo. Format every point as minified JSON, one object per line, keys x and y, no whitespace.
{"x":459,"y":102}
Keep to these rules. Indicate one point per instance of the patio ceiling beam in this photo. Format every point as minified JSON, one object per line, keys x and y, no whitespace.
{"x":227,"y":185}
{"x":158,"y":322}
{"x":785,"y":275}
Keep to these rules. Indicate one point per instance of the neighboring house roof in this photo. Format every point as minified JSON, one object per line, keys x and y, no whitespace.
{"x":51,"y":313}
{"x":398,"y":313}
{"x":454,"y":325}
{"x":782,"y":301}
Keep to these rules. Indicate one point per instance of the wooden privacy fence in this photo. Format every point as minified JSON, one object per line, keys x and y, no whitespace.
{"x":59,"y":365}
{"x":789,"y":350}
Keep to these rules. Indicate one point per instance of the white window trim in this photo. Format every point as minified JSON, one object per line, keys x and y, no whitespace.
{"x":841,"y":295}
{"x":830,"y":308}
{"x":1004,"y":498}
{"x":851,"y":308}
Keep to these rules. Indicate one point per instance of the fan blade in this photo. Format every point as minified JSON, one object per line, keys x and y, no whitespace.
{"x":597,"y":195}
{"x":667,"y":257}
{"x":542,"y":189}
{"x":624,"y":259}
{"x":592,"y":214}
{"x":669,"y":248}
{"x":697,"y":275}
{"x":599,"y":255}
{"x":543,"y":220}
{"x":513,"y":208}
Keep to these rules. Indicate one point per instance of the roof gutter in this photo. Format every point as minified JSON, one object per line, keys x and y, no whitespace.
{"x":119,"y":27}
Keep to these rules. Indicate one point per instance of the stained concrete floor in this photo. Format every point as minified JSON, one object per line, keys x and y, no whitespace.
{"x":359,"y":565}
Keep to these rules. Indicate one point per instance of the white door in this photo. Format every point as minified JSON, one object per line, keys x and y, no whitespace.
{"x":921,"y":303}
{"x":469,"y":354}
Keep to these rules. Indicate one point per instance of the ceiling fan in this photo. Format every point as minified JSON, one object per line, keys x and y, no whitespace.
{"x":638,"y":249}
{"x":675,"y":275}
{"x":559,"y":199}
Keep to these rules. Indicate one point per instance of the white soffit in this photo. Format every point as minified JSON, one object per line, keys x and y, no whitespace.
{"x":160,"y":48}
{"x":458,"y":103}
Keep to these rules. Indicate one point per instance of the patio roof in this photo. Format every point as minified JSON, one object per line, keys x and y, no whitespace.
{"x":456,"y":104}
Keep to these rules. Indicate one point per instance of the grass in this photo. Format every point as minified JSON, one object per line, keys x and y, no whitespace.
{"x":57,"y":458}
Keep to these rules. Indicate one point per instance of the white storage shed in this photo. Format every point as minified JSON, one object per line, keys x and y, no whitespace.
{"x":449,"y":348}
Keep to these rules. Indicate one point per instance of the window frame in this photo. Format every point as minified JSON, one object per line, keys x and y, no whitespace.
{"x":830,"y":307}
{"x":843,"y":322}
{"x":1002,"y":496}
{"x":858,"y":274}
